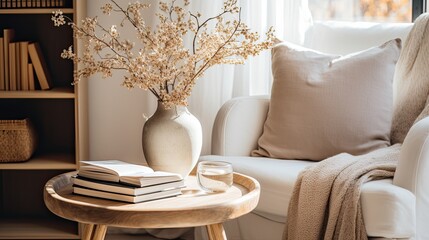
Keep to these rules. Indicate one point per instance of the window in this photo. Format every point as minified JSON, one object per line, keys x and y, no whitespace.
{"x":366,"y":10}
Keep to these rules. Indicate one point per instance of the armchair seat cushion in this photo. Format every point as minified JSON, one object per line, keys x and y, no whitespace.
{"x":388,"y":210}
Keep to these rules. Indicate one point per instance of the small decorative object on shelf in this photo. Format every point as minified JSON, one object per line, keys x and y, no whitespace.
{"x":31,"y":3}
{"x":17,"y":140}
{"x":166,"y":65}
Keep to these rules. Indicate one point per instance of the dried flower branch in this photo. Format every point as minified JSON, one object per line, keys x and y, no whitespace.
{"x":162,"y":64}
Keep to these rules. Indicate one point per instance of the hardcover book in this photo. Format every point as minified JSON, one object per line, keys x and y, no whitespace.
{"x":123,"y":188}
{"x":40,"y":66}
{"x":12,"y":67}
{"x":127,"y":198}
{"x":18,"y":66}
{"x":2,"y":83}
{"x":31,"y":83}
{"x":119,"y":171}
{"x":8,"y":35}
{"x":24,"y":65}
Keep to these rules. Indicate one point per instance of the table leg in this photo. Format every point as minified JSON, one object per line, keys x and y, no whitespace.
{"x":87,"y":231}
{"x":100,"y":232}
{"x":94,"y":232}
{"x":216,"y":232}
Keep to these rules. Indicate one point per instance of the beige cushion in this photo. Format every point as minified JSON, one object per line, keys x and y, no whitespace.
{"x":322,"y":105}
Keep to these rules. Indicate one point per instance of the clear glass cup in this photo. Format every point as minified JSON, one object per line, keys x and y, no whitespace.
{"x":214,"y":176}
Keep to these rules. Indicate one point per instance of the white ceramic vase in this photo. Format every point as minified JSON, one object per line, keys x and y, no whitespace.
{"x":172,"y":140}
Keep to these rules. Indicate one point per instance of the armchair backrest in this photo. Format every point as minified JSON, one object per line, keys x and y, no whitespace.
{"x":238,"y":125}
{"x":342,"y":38}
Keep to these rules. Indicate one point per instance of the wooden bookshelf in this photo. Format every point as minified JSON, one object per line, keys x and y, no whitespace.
{"x":59,"y":118}
{"x":36,"y":11}
{"x":52,"y":161}
{"x":37,"y":228}
{"x":56,"y":93}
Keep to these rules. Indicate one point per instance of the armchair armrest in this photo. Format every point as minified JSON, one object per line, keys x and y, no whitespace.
{"x":238,"y":125}
{"x":412,"y":172}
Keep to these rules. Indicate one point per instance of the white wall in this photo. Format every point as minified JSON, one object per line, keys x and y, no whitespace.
{"x":114,"y":112}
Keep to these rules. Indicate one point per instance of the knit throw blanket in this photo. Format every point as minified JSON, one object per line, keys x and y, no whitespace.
{"x":325,"y":203}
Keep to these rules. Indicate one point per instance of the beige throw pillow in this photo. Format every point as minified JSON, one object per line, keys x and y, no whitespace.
{"x":322,"y":105}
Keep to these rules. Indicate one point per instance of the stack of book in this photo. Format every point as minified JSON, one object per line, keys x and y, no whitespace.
{"x":121,"y":181}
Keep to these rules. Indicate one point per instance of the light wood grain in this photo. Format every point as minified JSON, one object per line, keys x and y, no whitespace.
{"x":55,"y":93}
{"x":34,"y":11}
{"x":87,"y":231}
{"x":100,"y":232}
{"x":37,"y":228}
{"x":44,"y":162}
{"x":193,"y":208}
{"x":216,"y":232}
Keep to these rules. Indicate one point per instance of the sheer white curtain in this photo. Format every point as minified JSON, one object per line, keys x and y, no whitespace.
{"x":290,"y":19}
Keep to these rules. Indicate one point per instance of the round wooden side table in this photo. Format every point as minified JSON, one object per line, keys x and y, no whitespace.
{"x":193,"y":208}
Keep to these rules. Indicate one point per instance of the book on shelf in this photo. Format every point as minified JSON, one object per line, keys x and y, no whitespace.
{"x":39,"y":65}
{"x":31,"y":83}
{"x":8,"y":35}
{"x":127,"y":198}
{"x":31,"y":3}
{"x":12,"y":67}
{"x":126,"y":189}
{"x":23,"y":50}
{"x":128,"y":173}
{"x":2,"y":84}
{"x":18,"y":66}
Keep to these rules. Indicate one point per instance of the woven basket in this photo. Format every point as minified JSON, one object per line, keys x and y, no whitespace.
{"x":17,"y":140}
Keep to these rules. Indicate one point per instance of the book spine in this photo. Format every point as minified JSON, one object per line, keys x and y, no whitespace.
{"x":12,"y":68}
{"x":8,"y":35}
{"x":2,"y":84}
{"x":31,"y":82}
{"x":39,"y":65}
{"x":18,"y":66}
{"x":24,"y":65}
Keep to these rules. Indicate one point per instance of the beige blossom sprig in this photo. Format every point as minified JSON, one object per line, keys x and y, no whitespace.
{"x":162,"y":63}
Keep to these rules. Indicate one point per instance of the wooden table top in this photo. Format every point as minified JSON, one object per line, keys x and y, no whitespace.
{"x":193,"y":208}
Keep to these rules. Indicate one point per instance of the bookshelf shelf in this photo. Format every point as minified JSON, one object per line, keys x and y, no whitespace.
{"x":55,"y":93}
{"x":35,"y":10}
{"x":58,"y":116}
{"x":37,"y":228}
{"x":58,"y":161}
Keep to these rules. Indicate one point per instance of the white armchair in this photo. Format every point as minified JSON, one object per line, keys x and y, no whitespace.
{"x":392,"y":209}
